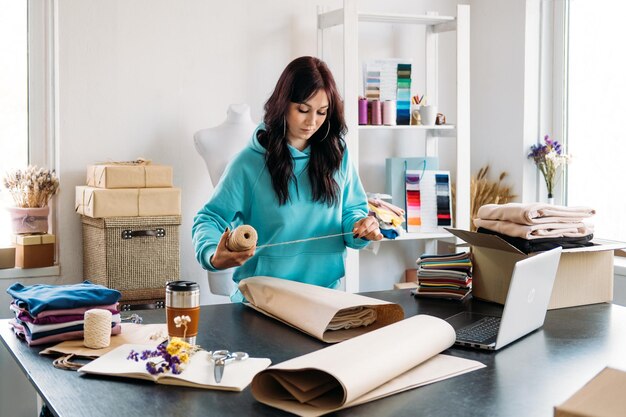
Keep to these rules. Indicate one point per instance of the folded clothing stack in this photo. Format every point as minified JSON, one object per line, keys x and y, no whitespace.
{"x":444,"y":276}
{"x":537,"y":227}
{"x":54,"y":313}
{"x":389,"y":216}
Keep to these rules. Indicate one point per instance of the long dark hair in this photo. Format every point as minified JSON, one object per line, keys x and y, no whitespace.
{"x":301,"y":80}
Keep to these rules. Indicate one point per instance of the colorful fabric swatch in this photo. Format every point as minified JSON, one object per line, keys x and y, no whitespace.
{"x":403,"y":106}
{"x":442,"y":188}
{"x":413,"y":202}
{"x":428,"y":203}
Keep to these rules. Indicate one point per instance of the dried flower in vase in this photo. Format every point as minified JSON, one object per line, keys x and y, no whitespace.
{"x":549,"y":158}
{"x":32,"y":187}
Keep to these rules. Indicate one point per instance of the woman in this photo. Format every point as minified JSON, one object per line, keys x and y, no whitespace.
{"x":293,"y":181}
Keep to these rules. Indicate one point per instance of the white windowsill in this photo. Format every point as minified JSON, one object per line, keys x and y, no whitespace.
{"x":13,"y":273}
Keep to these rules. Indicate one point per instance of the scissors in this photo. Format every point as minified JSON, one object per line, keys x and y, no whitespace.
{"x":221,"y":358}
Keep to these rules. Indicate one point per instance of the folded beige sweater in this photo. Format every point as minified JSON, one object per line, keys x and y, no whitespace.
{"x":534,"y":213}
{"x":536,"y":231}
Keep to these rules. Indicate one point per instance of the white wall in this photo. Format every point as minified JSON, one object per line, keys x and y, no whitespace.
{"x":139,"y":78}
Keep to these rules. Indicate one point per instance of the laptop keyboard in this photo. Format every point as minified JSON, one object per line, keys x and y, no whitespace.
{"x":480,"y":331}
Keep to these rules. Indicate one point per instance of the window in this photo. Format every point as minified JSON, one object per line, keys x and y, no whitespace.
{"x":26,"y":90}
{"x":596,"y":68}
{"x":14,"y":93}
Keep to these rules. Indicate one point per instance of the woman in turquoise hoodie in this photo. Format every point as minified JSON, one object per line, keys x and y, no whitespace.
{"x":293,"y":181}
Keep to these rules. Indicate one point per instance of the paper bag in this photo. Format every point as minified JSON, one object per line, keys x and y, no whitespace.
{"x":313,"y":309}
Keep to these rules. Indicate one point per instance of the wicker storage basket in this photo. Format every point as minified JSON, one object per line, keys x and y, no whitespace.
{"x":135,"y":255}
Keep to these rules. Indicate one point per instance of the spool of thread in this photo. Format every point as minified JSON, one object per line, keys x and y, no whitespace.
{"x":97,"y":328}
{"x":376,"y":110}
{"x":389,"y":113}
{"x":362,"y":111}
{"x":241,"y":239}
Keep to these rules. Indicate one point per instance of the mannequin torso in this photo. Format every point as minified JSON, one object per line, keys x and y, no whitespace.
{"x":217,"y":145}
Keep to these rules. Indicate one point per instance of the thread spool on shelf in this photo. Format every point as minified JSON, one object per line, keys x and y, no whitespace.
{"x":97,"y":327}
{"x":241,"y":239}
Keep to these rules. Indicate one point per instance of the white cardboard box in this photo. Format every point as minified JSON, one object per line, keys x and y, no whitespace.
{"x":603,"y":396}
{"x":584,"y":276}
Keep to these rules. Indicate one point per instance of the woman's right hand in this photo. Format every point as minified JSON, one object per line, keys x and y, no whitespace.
{"x":223,"y":258}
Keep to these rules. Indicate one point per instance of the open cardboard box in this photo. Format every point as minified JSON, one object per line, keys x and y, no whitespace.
{"x":602,"y":396}
{"x":584,"y":276}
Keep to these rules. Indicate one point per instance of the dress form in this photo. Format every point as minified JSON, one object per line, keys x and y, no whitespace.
{"x":217,"y":145}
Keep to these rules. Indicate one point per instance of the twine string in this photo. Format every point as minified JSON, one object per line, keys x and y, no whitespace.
{"x":244,"y":238}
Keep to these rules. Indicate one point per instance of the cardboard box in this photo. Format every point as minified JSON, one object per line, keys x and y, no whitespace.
{"x":410,"y":275}
{"x":129,"y":175}
{"x":127,"y":202}
{"x":603,"y":396}
{"x":34,"y":251}
{"x":584,"y":276}
{"x":7,"y":257}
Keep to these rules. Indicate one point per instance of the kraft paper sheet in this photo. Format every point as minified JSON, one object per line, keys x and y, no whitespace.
{"x":311,"y":308}
{"x":392,"y":359}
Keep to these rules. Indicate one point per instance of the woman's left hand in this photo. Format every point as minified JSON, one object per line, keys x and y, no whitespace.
{"x":367,"y":228}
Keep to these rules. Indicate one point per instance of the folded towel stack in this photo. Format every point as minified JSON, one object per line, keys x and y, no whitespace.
{"x":389,"y":216}
{"x":534,"y":227}
{"x":54,"y":313}
{"x":444,"y":276}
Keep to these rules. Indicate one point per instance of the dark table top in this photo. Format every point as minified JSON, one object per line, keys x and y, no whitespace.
{"x":526,"y":378}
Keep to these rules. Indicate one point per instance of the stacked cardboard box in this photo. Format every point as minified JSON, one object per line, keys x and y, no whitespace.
{"x":130,"y":214}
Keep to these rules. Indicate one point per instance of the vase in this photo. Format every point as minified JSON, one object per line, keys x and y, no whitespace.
{"x":27,"y":220}
{"x":550,"y":199}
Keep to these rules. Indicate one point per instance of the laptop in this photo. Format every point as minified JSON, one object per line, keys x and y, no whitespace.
{"x":524,"y":309}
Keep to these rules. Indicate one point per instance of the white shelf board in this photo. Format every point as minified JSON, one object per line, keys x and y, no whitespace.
{"x":16,"y":273}
{"x":405,"y":18}
{"x":407,"y":127}
{"x":421,"y":236}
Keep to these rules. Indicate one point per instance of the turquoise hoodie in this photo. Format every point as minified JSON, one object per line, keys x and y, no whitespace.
{"x":245,"y":195}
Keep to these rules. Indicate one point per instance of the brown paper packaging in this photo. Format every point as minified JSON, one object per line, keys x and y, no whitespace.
{"x":129,"y":176}
{"x":34,"y":251}
{"x":127,"y":202}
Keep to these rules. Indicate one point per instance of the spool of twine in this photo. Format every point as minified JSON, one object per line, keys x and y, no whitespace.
{"x":97,"y":328}
{"x":241,"y":239}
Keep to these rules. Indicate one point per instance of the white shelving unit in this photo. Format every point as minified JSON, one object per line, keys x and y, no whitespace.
{"x":349,"y":17}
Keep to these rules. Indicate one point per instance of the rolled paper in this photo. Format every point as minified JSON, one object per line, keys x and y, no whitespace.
{"x":97,"y":328}
{"x":362,"y":111}
{"x":389,"y":113}
{"x":376,"y":110}
{"x":241,"y":239}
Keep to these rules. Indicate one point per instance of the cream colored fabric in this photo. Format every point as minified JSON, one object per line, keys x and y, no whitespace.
{"x":536,"y":231}
{"x":392,"y":359}
{"x":311,"y":308}
{"x":144,"y":334}
{"x":352,"y":317}
{"x":534,"y":213}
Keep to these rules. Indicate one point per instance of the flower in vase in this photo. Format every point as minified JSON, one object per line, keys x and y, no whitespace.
{"x":31,"y":187}
{"x":549,"y":157}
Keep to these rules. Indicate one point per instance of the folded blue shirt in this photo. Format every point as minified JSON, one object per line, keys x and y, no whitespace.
{"x":39,"y":297}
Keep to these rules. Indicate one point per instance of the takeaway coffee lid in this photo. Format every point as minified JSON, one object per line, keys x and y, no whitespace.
{"x":182,"y":286}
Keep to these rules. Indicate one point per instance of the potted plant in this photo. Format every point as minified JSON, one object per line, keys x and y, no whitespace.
{"x":31,"y":190}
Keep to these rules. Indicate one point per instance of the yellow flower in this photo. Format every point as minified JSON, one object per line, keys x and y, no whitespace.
{"x":177,"y":345}
{"x":183,"y":356}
